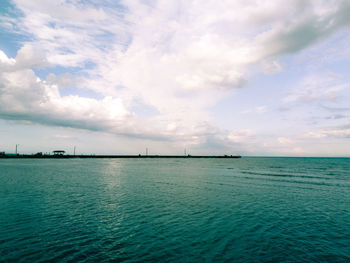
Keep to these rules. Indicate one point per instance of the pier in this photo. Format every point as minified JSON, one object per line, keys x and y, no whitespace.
{"x":139,"y":156}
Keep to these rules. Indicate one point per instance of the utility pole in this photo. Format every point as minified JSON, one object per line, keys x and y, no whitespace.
{"x":74,"y":151}
{"x":17,"y":148}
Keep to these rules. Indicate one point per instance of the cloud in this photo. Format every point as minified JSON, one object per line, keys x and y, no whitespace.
{"x":63,"y":137}
{"x":178,"y":57}
{"x":337,"y":117}
{"x":314,"y":21}
{"x":24,"y":96}
{"x":241,"y":136}
{"x":5,"y":61}
{"x":27,"y":57}
{"x":284,"y":140}
{"x":271,"y":66}
{"x":30,"y":57}
{"x":336,"y":109}
{"x":62,"y":81}
{"x":317,"y":88}
{"x":340,"y":132}
{"x":257,"y":110}
{"x":317,"y":99}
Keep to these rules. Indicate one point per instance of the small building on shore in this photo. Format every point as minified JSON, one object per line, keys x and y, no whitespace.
{"x":59,"y":152}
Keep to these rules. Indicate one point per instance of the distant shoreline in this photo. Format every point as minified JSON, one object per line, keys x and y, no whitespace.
{"x":34,"y":156}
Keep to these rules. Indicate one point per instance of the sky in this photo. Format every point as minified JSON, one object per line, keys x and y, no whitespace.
{"x":248,"y":77}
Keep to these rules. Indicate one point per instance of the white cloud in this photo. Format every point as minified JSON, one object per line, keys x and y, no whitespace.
{"x":62,"y":81}
{"x":179,"y":57}
{"x":30,"y":57}
{"x":316,"y":88}
{"x":63,"y":137}
{"x":27,"y":57}
{"x":241,"y":136}
{"x":5,"y":62}
{"x":256,"y":110}
{"x":332,"y":133}
{"x":284,"y":140}
{"x":25,"y":96}
{"x":271,"y":66}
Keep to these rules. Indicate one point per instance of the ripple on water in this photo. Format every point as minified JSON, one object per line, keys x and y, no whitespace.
{"x":244,"y":210}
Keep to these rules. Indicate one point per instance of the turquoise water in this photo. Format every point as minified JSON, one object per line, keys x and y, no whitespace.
{"x":175,"y":210}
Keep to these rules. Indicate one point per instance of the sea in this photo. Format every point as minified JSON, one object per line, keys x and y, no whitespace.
{"x":252,"y":209}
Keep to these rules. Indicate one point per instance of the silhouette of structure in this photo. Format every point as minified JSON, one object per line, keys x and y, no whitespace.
{"x":58,"y":153}
{"x":61,"y":154}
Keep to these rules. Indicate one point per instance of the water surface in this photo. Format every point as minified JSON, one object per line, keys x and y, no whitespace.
{"x":175,"y":210}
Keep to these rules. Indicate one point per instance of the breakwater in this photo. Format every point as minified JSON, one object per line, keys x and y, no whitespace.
{"x":67,"y":156}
